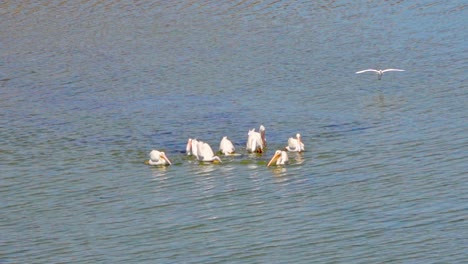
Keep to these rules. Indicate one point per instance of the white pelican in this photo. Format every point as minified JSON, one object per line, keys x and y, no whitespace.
{"x":295,"y":144}
{"x":379,"y":72}
{"x":256,"y":141}
{"x":158,"y":158}
{"x":205,"y":153}
{"x":226,"y":146}
{"x":191,"y":147}
{"x":280,"y":158}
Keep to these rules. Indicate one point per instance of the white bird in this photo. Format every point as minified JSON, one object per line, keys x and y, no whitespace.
{"x":226,"y":146}
{"x":256,"y":141}
{"x":158,"y":158}
{"x":295,"y":144}
{"x":280,"y":158}
{"x":191,"y":147}
{"x":379,"y":72}
{"x":205,"y":153}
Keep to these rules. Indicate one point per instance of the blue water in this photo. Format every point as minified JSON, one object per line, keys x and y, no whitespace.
{"x":89,"y":88}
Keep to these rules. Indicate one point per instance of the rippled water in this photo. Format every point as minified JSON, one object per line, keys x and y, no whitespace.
{"x":88,"y":88}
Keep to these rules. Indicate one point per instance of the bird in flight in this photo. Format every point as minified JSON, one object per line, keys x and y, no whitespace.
{"x":379,"y":72}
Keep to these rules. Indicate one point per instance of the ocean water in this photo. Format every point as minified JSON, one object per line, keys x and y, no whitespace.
{"x":89,"y":88}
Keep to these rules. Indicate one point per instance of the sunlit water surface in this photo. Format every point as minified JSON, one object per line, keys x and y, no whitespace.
{"x":88,"y":88}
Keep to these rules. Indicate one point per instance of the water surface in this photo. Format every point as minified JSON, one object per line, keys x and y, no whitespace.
{"x":88,"y":88}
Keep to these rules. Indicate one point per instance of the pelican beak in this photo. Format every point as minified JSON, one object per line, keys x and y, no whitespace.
{"x":163,"y":156}
{"x":274,"y":159}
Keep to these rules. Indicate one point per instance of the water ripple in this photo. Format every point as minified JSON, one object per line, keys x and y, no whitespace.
{"x":89,"y":88}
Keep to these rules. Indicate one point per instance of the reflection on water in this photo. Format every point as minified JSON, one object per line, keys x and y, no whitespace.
{"x":280,"y":172}
{"x":206,"y":168}
{"x":90,"y":87}
{"x":297,"y":157}
{"x":160,"y":172}
{"x":387,"y":102}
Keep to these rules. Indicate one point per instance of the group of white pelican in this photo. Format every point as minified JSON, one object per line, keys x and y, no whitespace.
{"x":256,"y":143}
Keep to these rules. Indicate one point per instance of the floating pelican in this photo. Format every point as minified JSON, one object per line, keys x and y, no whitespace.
{"x":226,"y":146}
{"x":280,"y":158}
{"x":205,"y":153}
{"x":191,"y":147}
{"x":256,"y":141}
{"x":379,"y":72}
{"x":295,"y":144}
{"x":158,"y":158}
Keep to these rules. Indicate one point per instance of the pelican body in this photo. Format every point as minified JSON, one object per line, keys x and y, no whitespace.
{"x":205,"y":153}
{"x":379,"y":72}
{"x":279,"y":158}
{"x":226,"y":146}
{"x":256,"y":141}
{"x":191,"y":147}
{"x":158,"y":158}
{"x":295,"y":144}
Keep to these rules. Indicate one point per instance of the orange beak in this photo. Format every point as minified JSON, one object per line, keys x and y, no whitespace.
{"x":274,"y":159}
{"x":163,"y":156}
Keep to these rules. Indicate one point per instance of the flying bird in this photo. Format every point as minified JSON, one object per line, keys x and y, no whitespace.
{"x":379,"y":72}
{"x":205,"y":153}
{"x":295,"y":144}
{"x":280,"y":158}
{"x":256,"y":141}
{"x":226,"y":146}
{"x":158,"y":158}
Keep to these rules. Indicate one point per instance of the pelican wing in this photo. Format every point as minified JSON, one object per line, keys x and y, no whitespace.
{"x":292,"y":143}
{"x":200,"y":150}
{"x":387,"y":70}
{"x":194,"y":147}
{"x":284,"y":158}
{"x":205,"y":153}
{"x":368,"y":70}
{"x":254,"y":141}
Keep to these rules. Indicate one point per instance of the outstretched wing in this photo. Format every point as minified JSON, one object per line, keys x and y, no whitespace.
{"x":387,"y":70}
{"x":368,"y":70}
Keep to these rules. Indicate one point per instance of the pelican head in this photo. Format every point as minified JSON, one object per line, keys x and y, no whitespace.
{"x":158,"y":158}
{"x":279,"y":158}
